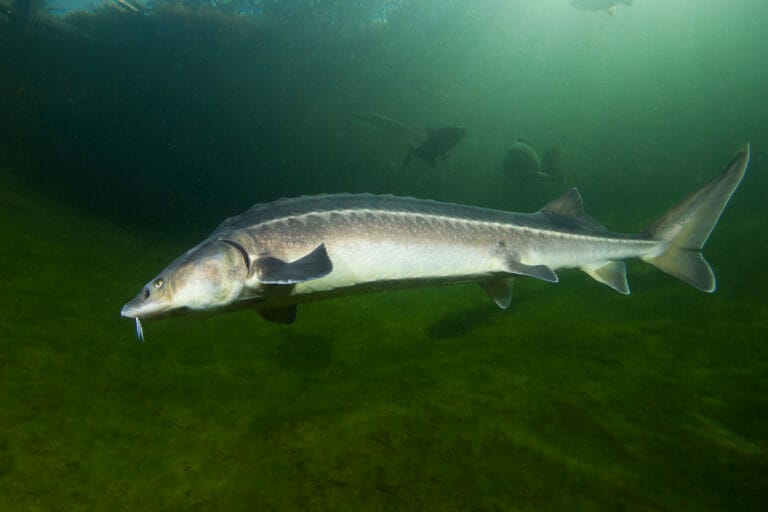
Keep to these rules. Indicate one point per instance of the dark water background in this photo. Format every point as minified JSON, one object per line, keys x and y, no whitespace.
{"x":126,"y":141}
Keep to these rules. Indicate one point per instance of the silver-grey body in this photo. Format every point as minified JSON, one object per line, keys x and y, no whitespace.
{"x":384,"y":242}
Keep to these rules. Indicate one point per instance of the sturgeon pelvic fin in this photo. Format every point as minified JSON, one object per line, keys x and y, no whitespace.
{"x":684,"y":229}
{"x":500,"y":290}
{"x":542,"y":272}
{"x":314,"y":265}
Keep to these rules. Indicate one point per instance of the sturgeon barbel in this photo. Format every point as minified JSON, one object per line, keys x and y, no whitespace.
{"x":310,"y":248}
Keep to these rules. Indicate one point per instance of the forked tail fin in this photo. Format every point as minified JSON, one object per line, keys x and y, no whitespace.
{"x":684,"y":229}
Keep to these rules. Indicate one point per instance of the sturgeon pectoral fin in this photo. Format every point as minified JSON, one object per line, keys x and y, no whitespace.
{"x":538,"y":271}
{"x":500,"y":290}
{"x":314,"y":265}
{"x":283,"y":315}
{"x":611,"y":273}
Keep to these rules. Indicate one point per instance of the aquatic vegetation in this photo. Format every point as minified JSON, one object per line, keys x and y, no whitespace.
{"x":412,"y":399}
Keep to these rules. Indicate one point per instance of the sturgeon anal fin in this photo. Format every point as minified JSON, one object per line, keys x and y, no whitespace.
{"x":611,"y":273}
{"x":314,"y":265}
{"x":500,"y":290}
{"x":538,"y":271}
{"x":282,"y":315}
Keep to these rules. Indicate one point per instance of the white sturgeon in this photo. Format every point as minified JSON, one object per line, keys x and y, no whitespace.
{"x":291,"y":251}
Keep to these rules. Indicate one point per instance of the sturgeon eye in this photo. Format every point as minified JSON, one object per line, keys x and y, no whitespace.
{"x":158,"y":283}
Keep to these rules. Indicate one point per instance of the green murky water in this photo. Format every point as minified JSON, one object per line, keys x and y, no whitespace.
{"x":125,"y":142}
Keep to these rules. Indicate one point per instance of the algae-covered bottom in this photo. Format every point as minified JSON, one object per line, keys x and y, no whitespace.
{"x":576,"y":398}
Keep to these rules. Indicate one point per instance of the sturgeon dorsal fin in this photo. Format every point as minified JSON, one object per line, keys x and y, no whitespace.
{"x":568,"y":205}
{"x":314,"y":265}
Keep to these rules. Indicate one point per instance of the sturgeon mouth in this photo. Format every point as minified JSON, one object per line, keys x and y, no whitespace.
{"x":129,"y":310}
{"x":140,"y":306}
{"x":133,"y":309}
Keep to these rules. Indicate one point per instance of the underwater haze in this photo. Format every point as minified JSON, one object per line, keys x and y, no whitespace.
{"x":131,"y":129}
